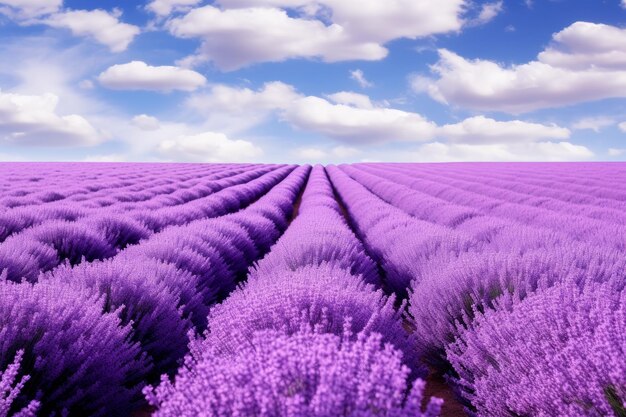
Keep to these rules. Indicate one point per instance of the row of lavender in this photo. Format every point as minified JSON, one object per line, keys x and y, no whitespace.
{"x":308,"y":334}
{"x":39,"y":236}
{"x":89,"y":335}
{"x":515,"y":277}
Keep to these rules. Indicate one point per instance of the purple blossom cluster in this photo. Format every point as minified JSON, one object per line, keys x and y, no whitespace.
{"x":558,"y":352}
{"x":305,"y":374}
{"x":80,"y":361}
{"x":278,"y":290}
{"x":10,"y":388}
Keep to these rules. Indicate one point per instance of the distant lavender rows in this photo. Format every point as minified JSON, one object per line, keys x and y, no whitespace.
{"x":277,"y":290}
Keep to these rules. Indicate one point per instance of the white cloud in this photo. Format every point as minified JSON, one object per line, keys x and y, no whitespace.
{"x":33,"y":120}
{"x":145,"y":122}
{"x":100,"y":25}
{"x":376,"y":20}
{"x":623,"y":4}
{"x":138,"y":75}
{"x":25,"y":9}
{"x":358,"y":76}
{"x":236,"y":38}
{"x":483,"y":130}
{"x":586,"y":45}
{"x":622,"y":126}
{"x":488,"y":12}
{"x":166,"y":7}
{"x":589,"y":67}
{"x":250,"y":31}
{"x":209,"y":147}
{"x":357,"y":125}
{"x":616,"y":152}
{"x":593,"y":123}
{"x":235,"y":109}
{"x":349,"y":98}
{"x":271,"y":96}
{"x":537,"y":151}
{"x":353,"y":118}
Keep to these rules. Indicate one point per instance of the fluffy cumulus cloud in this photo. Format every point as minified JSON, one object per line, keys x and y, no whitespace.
{"x":483,"y":130}
{"x":32,"y":120}
{"x":236,"y":38}
{"x":235,"y":109}
{"x":138,"y":75}
{"x":240,"y":33}
{"x":585,"y":62}
{"x":165,"y":7}
{"x":480,"y":138}
{"x":622,"y":127}
{"x":535,"y":151}
{"x":101,"y":25}
{"x":272,"y":95}
{"x":356,"y":121}
{"x":209,"y":147}
{"x":352,"y":124}
{"x":584,"y":46}
{"x":25,"y":9}
{"x":345,"y":116}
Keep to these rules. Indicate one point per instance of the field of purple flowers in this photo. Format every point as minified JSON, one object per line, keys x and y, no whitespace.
{"x":182,"y":290}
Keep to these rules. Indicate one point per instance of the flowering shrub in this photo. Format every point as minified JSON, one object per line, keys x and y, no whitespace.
{"x":323,"y":296}
{"x":305,"y":374}
{"x":558,"y":352}
{"x":80,"y":361}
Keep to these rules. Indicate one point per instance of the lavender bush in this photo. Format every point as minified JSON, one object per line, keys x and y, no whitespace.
{"x":558,"y":352}
{"x":305,"y":374}
{"x":323,"y":296}
{"x":80,"y":361}
{"x":444,"y":302}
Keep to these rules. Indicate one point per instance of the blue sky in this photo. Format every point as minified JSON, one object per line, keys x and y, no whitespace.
{"x":313,"y":81}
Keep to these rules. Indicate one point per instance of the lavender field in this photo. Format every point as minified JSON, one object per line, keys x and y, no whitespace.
{"x":364,"y":290}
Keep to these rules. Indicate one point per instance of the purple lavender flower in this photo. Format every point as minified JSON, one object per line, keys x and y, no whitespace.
{"x":141,"y":297}
{"x":80,"y":361}
{"x":323,"y":296}
{"x":10,"y":388}
{"x":306,"y":374}
{"x":445,"y":299}
{"x":558,"y":352}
